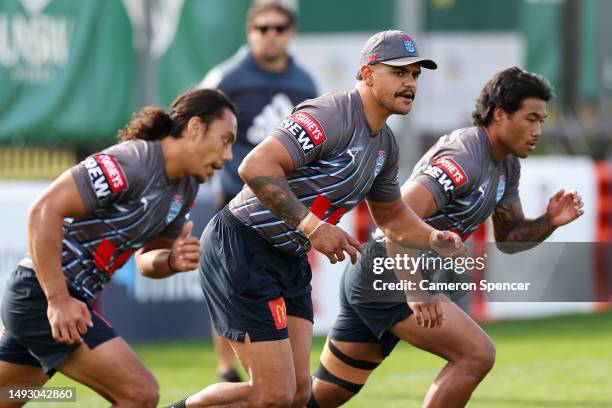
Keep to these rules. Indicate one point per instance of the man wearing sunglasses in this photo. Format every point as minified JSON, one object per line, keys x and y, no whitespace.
{"x":265,"y":83}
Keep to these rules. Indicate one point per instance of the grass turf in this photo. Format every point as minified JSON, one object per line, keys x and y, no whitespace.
{"x":554,"y":362}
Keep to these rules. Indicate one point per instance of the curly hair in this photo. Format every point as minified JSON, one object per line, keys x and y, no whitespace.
{"x":507,"y":90}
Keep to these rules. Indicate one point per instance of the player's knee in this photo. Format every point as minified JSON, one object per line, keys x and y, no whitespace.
{"x":145,"y":394}
{"x":147,"y":397}
{"x":480,"y":360}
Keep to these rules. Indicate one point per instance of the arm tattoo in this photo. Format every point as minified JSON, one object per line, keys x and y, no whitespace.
{"x":510,"y":225}
{"x":276,"y":195}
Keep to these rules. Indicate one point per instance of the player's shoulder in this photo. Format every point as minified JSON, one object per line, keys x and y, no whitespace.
{"x":461,"y":150}
{"x":469,"y":143}
{"x":139,"y":158}
{"x":135,"y":148}
{"x":331,"y":103}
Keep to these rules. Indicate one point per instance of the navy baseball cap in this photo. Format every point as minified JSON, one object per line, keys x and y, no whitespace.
{"x":393,"y":47}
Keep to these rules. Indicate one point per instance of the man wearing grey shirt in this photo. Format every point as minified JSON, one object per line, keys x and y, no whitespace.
{"x":134,"y":197}
{"x":265,"y":83}
{"x":329,"y":154}
{"x":463,"y":179}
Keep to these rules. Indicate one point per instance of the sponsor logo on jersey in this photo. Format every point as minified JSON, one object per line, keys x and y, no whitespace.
{"x":305,"y":129}
{"x":279,"y":312}
{"x":409,"y":45}
{"x":105,"y":175}
{"x":175,"y":208}
{"x":380,"y":161}
{"x":447,"y":172}
{"x":353,"y":152}
{"x":501,"y":188}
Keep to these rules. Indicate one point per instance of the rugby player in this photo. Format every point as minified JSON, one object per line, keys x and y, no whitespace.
{"x":265,"y":83}
{"x":134,"y":197}
{"x":327,"y":156}
{"x":463,"y":179}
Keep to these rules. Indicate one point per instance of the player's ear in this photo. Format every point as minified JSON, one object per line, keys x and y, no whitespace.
{"x":366,"y":74}
{"x":498,"y":115}
{"x":195,"y":127}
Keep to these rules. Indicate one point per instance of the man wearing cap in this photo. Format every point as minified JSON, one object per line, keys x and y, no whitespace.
{"x":467,"y":176}
{"x":265,"y":83}
{"x":328,"y":155}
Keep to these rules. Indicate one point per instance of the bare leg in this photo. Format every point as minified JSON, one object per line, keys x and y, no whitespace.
{"x":327,"y":394}
{"x":20,"y":375}
{"x":225,"y":356}
{"x":267,"y":362}
{"x":467,"y":348}
{"x":300,"y":335}
{"x":114,"y":371}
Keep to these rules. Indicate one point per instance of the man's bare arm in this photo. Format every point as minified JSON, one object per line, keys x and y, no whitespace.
{"x":510,"y":225}
{"x":263,"y":170}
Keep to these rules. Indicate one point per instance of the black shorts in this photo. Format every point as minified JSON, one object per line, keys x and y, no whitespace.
{"x":26,"y":336}
{"x":249,"y":286}
{"x":362,"y":317}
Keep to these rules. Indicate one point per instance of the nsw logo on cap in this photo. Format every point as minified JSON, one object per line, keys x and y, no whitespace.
{"x":409,"y":44}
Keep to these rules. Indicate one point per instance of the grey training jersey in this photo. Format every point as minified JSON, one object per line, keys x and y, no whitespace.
{"x":338,"y":162}
{"x":129,"y":201}
{"x":466,"y":180}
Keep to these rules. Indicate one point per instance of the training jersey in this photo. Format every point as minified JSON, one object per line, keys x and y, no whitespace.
{"x":466,"y":180}
{"x":338,"y":161}
{"x":263,"y":99}
{"x":129,"y":201}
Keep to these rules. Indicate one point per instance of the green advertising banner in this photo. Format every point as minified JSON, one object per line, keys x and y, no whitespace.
{"x":205,"y":33}
{"x":67,"y":71}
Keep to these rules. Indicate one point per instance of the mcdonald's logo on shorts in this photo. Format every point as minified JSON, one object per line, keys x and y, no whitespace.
{"x":279,"y":312}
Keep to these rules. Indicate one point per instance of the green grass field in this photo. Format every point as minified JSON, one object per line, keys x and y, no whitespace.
{"x":555,"y":362}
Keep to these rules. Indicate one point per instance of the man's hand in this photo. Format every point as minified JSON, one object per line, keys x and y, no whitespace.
{"x":185,"y":252}
{"x":429,"y":313}
{"x":447,"y":243}
{"x":332,"y":242}
{"x":69,"y":319}
{"x":564,"y":207}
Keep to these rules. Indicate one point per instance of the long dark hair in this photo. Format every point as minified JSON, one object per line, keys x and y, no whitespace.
{"x":507,"y":90}
{"x":152,"y":123}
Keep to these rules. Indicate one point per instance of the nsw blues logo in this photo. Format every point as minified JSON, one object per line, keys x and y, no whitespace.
{"x":175,"y":208}
{"x":380,"y":161}
{"x":501,"y":188}
{"x":409,"y":45}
